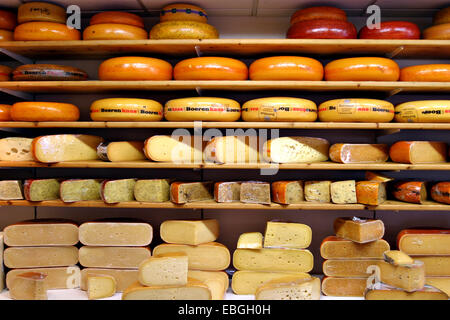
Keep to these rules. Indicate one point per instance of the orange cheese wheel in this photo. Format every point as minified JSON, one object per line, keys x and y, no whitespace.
{"x":183,"y":30}
{"x":41,"y":11}
{"x":182,"y":11}
{"x":5,"y":73}
{"x":418,"y":152}
{"x":362,"y":69}
{"x":440,"y":192}
{"x":114,"y":31}
{"x":210,"y":68}
{"x":135,"y":68}
{"x":45,"y":31}
{"x":44,"y":111}
{"x":286,"y":68}
{"x":6,"y":35}
{"x":118,"y":17}
{"x":437,"y":32}
{"x":8,"y":20}
{"x":442,"y":16}
{"x":5,"y":112}
{"x":321,"y":12}
{"x":426,"y":72}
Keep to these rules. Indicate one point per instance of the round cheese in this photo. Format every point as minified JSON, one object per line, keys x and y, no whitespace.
{"x":321,"y":12}
{"x":135,"y":68}
{"x":202,"y":109}
{"x":425,"y":111}
{"x":426,"y":72}
{"x":8,"y":20}
{"x":356,"y":110}
{"x":114,"y":31}
{"x":391,"y":30}
{"x":41,"y":11}
{"x":362,"y":69}
{"x":277,"y":109}
{"x":45,"y":31}
{"x":286,"y":68}
{"x":47,"y":72}
{"x":322,"y":29}
{"x":5,"y":112}
{"x":5,"y":73}
{"x":6,"y":35}
{"x":44,"y":111}
{"x":437,"y":32}
{"x":125,"y":109}
{"x":210,"y":68}
{"x":182,"y":11}
{"x":442,"y":16}
{"x":183,"y":30}
{"x":118,"y":17}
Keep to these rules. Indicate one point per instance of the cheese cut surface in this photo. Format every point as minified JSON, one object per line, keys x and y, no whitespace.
{"x":287,"y":192}
{"x":362,"y":69}
{"x":112,"y":257}
{"x":423,"y":111}
{"x":386,"y":292}
{"x":250,"y":240}
{"x":192,"y":232}
{"x":354,"y":268}
{"x":289,"y":288}
{"x":409,"y":277}
{"x":227,"y":191}
{"x":337,"y":248}
{"x":344,"y":287}
{"x":397,"y":258}
{"x":318,"y":191}
{"x":183,"y":12}
{"x":424,"y":242}
{"x":45,"y":31}
{"x":418,"y":152}
{"x":5,"y":109}
{"x":48,"y":72}
{"x":440,"y":192}
{"x":121,"y":151}
{"x":57,"y":277}
{"x":371,"y":192}
{"x":41,"y":189}
{"x":33,"y":257}
{"x":184,"y":192}
{"x":135,"y":68}
{"x":168,"y":269}
{"x":41,"y":11}
{"x":126,"y":109}
{"x":11,"y":190}
{"x":29,"y":286}
{"x":210,"y":68}
{"x":80,"y":190}
{"x":210,"y":275}
{"x":152,"y":190}
{"x":359,"y":153}
{"x":115,"y":233}
{"x":183,"y":30}
{"x":124,"y":277}
{"x":115,"y":191}
{"x":16,"y":149}
{"x":114,"y":31}
{"x":410,"y":191}
{"x":343,"y":191}
{"x":440,"y":283}
{"x":44,"y":111}
{"x":232,"y":149}
{"x":255,"y":192}
{"x":356,"y":110}
{"x":435,"y":266}
{"x":100,"y":286}
{"x":296,"y":150}
{"x":117,"y":17}
{"x":359,"y":230}
{"x":287,"y":235}
{"x":178,"y":149}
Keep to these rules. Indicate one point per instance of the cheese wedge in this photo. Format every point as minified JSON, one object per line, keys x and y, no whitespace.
{"x":289,"y":288}
{"x":371,"y":192}
{"x":183,"y":192}
{"x":121,"y":151}
{"x":250,"y":240}
{"x":255,"y":192}
{"x":382,"y":291}
{"x":29,"y":286}
{"x":57,"y":277}
{"x":359,"y":230}
{"x":296,"y":150}
{"x":80,"y":190}
{"x":33,"y":257}
{"x":11,"y":190}
{"x":192,"y":232}
{"x":177,"y":149}
{"x":169,"y":269}
{"x":227,"y":191}
{"x":124,"y":277}
{"x":337,"y":248}
{"x":41,"y":189}
{"x":426,"y":242}
{"x":344,"y":287}
{"x":359,"y":153}
{"x":318,"y":191}
{"x":232,"y":149}
{"x":113,"y":257}
{"x":441,"y":283}
{"x":100,"y":286}
{"x":436,"y":266}
{"x":115,"y":191}
{"x":409,"y":277}
{"x":343,"y":191}
{"x":152,"y":190}
{"x":354,"y":268}
{"x":287,"y":235}
{"x":418,"y":152}
{"x":397,"y":258}
{"x":287,"y":192}
{"x":210,"y":278}
{"x":16,"y":149}
{"x":378,"y":177}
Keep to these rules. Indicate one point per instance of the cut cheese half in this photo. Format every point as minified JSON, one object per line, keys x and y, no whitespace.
{"x":121,"y":151}
{"x":178,"y":149}
{"x":289,"y":288}
{"x":126,"y":109}
{"x":318,"y":191}
{"x":16,"y":149}
{"x":152,"y":190}
{"x":409,"y":277}
{"x":232,"y":149}
{"x":287,"y":235}
{"x":255,"y":192}
{"x":287,"y":192}
{"x":359,"y":153}
{"x":80,"y":190}
{"x":168,"y":269}
{"x":115,"y":191}
{"x":100,"y":286}
{"x":343,"y":191}
{"x":227,"y":191}
{"x":418,"y":152}
{"x":113,"y":257}
{"x":191,"y":232}
{"x":356,"y":110}
{"x":34,"y":257}
{"x":184,"y":192}
{"x":115,"y":233}
{"x":296,"y":150}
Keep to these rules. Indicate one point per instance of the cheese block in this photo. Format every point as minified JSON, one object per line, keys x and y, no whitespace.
{"x":436,"y":266}
{"x":440,"y":192}
{"x":5,"y":73}
{"x":115,"y":191}
{"x":397,"y":258}
{"x":255,"y":192}
{"x":410,"y":191}
{"x":318,"y":191}
{"x":232,"y":149}
{"x":359,"y":230}
{"x":16,"y":149}
{"x":179,"y":149}
{"x":100,"y":286}
{"x":202,"y":109}
{"x":8,"y":20}
{"x":377,"y":177}
{"x":426,"y":73}
{"x":41,"y":232}
{"x":124,"y":277}
{"x":45,"y":31}
{"x":80,"y":190}
{"x":168,"y":269}
{"x":288,"y":192}
{"x":382,"y":291}
{"x":359,"y":153}
{"x":41,"y":11}
{"x":322,"y":29}
{"x":418,"y":152}
{"x":352,"y":268}
{"x":211,"y":256}
{"x":437,"y":32}
{"x":286,"y":68}
{"x":65,"y":147}
{"x":194,"y":290}
{"x":333,"y":247}
{"x":391,"y":30}
{"x":112,"y":257}
{"x":409,"y":277}
{"x":371,"y":192}
{"x":424,"y":242}
{"x":279,"y":109}
{"x":44,"y":111}
{"x":184,"y":192}
{"x":115,"y":232}
{"x":182,"y":11}
{"x":191,"y":232}
{"x":287,"y":235}
{"x":6,"y":35}
{"x":210,"y":68}
{"x":210,"y":275}
{"x":11,"y":190}
{"x":5,"y":111}
{"x":57,"y":277}
{"x":216,"y":286}
{"x":289,"y":288}
{"x":183,"y":30}
{"x":48,"y":72}
{"x":152,"y":190}
{"x":318,"y":12}
{"x":2,"y":268}
{"x":41,"y":189}
{"x":296,"y":150}
{"x":121,"y":151}
{"x":362,"y":69}
{"x":424,"y":111}
{"x":135,"y":68}
{"x":440,"y":283}
{"x":33,"y":257}
{"x":356,"y":110}
{"x":118,"y":17}
{"x":344,"y":287}
{"x":270,"y":259}
{"x":29,"y":286}
{"x":250,"y":240}
{"x":442,"y":16}
{"x":227,"y":191}
{"x":343,"y":191}
{"x":114,"y":31}
{"x":125,"y":109}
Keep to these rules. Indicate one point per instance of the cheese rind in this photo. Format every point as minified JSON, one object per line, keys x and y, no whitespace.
{"x":344,"y":287}
{"x":117,"y":17}
{"x":418,"y":152}
{"x":410,"y":191}
{"x":183,"y":192}
{"x":359,"y":153}
{"x":287,"y":235}
{"x":124,"y":277}
{"x":121,"y":151}
{"x":337,"y":248}
{"x":112,"y":257}
{"x":192,"y":232}
{"x":41,"y":11}
{"x":100,"y":286}
{"x":202,"y":109}
{"x":44,"y":111}
{"x":424,"y":242}
{"x":16,"y":149}
{"x":287,"y":192}
{"x":440,"y":192}
{"x":115,"y":233}
{"x":134,"y":69}
{"x":385,"y":292}
{"x":126,"y":109}
{"x":114,"y":31}
{"x":6,"y":35}
{"x":359,"y":230}
{"x":57,"y":277}
{"x":438,"y":32}
{"x":362,"y":69}
{"x":409,"y":277}
{"x":5,"y":109}
{"x":232,"y":149}
{"x":227,"y":191}
{"x":318,"y":191}
{"x":11,"y":190}
{"x":152,"y":190}
{"x":115,"y":191}
{"x":318,"y":12}
{"x":48,"y":72}
{"x":289,"y":288}
{"x":371,"y":192}
{"x":426,"y":73}
{"x":343,"y":191}
{"x":423,"y":111}
{"x":41,"y":189}
{"x":80,"y":190}
{"x":250,"y":240}
{"x":356,"y":110}
{"x":170,"y":269}
{"x":211,"y":275}
{"x":34,"y":257}
{"x":353,"y":268}
{"x":378,"y":177}
{"x":296,"y":150}
{"x":255,"y":192}
{"x":8,"y":20}
{"x":29,"y":286}
{"x":178,"y":149}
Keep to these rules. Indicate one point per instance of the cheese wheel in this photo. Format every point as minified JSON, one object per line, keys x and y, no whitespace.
{"x":114,"y":31}
{"x":202,"y":109}
{"x":45,"y":31}
{"x":44,"y":111}
{"x":442,"y":16}
{"x":48,"y":72}
{"x":5,"y":112}
{"x":8,"y":20}
{"x":210,"y":68}
{"x":438,"y":32}
{"x":135,"y":68}
{"x":418,"y":152}
{"x":321,"y":12}
{"x":279,"y":109}
{"x":371,"y":192}
{"x":333,"y":247}
{"x":182,"y":11}
{"x":322,"y":29}
{"x":362,"y":69}
{"x":410,"y":191}
{"x":6,"y":35}
{"x":125,"y":109}
{"x":119,"y":17}
{"x":426,"y":72}
{"x":424,"y":111}
{"x":359,"y":153}
{"x":5,"y":73}
{"x":286,"y":68}
{"x":356,"y":110}
{"x":344,"y":287}
{"x":440,"y":192}
{"x":183,"y":30}
{"x":391,"y":30}
{"x":41,"y":11}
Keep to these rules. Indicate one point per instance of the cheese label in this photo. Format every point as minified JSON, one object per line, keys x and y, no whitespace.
{"x":127,"y":110}
{"x":204,"y":108}
{"x":54,"y":73}
{"x":409,"y":114}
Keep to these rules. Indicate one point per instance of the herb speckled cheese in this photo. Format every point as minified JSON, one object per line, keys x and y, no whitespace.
{"x":16,"y":149}
{"x":183,"y":192}
{"x":11,"y":190}
{"x":80,"y":190}
{"x":296,"y":150}
{"x":115,"y":191}
{"x":343,"y":191}
{"x":41,"y":189}
{"x":255,"y":192}
{"x":152,"y":190}
{"x":33,"y":257}
{"x":287,"y":192}
{"x":318,"y":191}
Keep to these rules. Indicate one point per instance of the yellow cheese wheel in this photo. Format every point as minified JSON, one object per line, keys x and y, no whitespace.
{"x":117,"y":17}
{"x":45,"y":31}
{"x":183,"y":30}
{"x":202,"y":109}
{"x":6,"y":35}
{"x":356,"y":110}
{"x":41,"y":11}
{"x":114,"y":31}
{"x":279,"y":109}
{"x":426,"y":111}
{"x":44,"y":111}
{"x":182,"y":11}
{"x":135,"y":68}
{"x":8,"y":20}
{"x":125,"y":109}
{"x":5,"y":73}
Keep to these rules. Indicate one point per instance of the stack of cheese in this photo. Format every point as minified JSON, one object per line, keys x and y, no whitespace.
{"x":275,"y":266}
{"x":112,"y":250}
{"x":44,"y":250}
{"x":8,"y":22}
{"x":358,"y":244}
{"x":115,"y":25}
{"x":441,"y":26}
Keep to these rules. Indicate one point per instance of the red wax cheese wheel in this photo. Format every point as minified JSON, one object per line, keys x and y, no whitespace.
{"x":114,"y":31}
{"x":391,"y":30}
{"x":47,"y":72}
{"x":8,"y":20}
{"x":183,"y":12}
{"x":119,"y":17}
{"x":6,"y":35}
{"x":440,"y":192}
{"x":135,"y":68}
{"x":438,"y":32}
{"x":418,"y":152}
{"x":362,"y":69}
{"x":321,"y":12}
{"x":322,"y":29}
{"x":426,"y":72}
{"x":5,"y":73}
{"x":410,"y":191}
{"x":210,"y":68}
{"x":5,"y":112}
{"x":286,"y":68}
{"x":44,"y":111}
{"x":45,"y":31}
